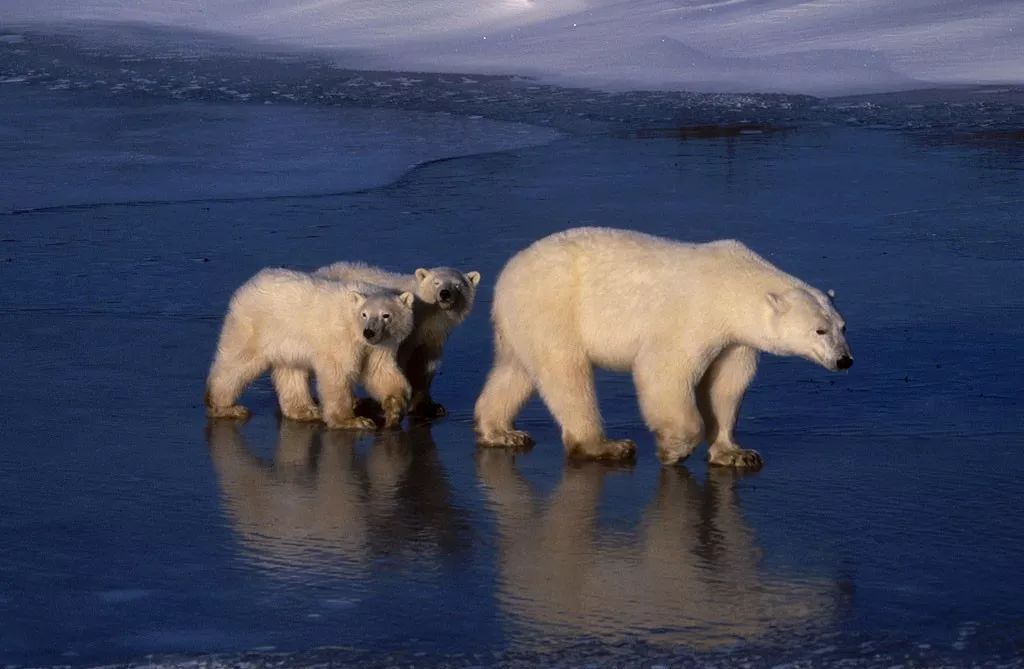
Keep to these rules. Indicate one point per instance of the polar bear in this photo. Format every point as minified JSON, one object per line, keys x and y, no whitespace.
{"x":687,"y":319}
{"x":444,"y":298}
{"x":296,"y":323}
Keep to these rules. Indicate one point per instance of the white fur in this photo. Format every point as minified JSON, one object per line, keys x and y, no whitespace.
{"x":297,"y":323}
{"x":420,"y":354}
{"x":687,"y":319}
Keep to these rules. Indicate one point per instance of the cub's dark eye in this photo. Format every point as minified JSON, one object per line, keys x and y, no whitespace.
{"x":386,"y":316}
{"x":364,"y":314}
{"x":821,"y":332}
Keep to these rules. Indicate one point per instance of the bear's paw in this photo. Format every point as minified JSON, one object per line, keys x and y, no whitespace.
{"x":736,"y":457}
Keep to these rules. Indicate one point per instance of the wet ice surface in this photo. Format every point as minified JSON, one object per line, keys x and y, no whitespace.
{"x":194,"y":151}
{"x":884,"y":529}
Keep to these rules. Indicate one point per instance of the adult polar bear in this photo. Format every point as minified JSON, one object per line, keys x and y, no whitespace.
{"x":687,"y":319}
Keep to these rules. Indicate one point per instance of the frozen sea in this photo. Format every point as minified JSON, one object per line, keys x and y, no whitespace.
{"x":144,"y":174}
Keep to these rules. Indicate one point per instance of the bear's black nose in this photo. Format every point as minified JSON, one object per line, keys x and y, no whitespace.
{"x":844,"y":362}
{"x":445,"y":294}
{"x":368,"y":333}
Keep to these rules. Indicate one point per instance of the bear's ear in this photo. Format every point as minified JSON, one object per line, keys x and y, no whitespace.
{"x":831,"y":295}
{"x":357,"y":298}
{"x":474,"y":277}
{"x":407,"y":299}
{"x":422,"y":274}
{"x":778,"y":303}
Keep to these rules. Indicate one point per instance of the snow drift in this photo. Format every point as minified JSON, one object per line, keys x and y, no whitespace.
{"x":806,"y":46}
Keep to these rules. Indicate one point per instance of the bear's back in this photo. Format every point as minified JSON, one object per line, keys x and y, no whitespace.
{"x":292,"y":300}
{"x":361,"y":272}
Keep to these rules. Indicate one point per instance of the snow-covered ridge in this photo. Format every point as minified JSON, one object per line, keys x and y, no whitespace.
{"x":807,"y":46}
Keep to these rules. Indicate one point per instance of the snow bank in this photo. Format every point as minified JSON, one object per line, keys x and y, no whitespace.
{"x":807,"y":46}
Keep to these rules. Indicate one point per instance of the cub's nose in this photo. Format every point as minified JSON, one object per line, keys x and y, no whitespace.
{"x":445,"y":294}
{"x":844,"y":362}
{"x":368,"y":333}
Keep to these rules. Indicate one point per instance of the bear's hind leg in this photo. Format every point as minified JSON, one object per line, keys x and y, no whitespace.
{"x":230,"y":374}
{"x":566,"y":384}
{"x":664,"y":387}
{"x":420,"y":369}
{"x":293,"y":396}
{"x":719,"y":394}
{"x":506,"y":390}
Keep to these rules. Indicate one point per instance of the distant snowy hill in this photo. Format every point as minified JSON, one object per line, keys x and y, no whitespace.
{"x":809,"y":46}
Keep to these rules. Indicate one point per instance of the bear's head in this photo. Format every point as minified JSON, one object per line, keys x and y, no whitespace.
{"x":385,"y":317}
{"x":803,"y":321}
{"x":448,"y":288}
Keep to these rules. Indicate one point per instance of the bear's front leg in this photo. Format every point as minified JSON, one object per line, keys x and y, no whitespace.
{"x":337,"y":398}
{"x":386,"y":383}
{"x":669,"y":406}
{"x":720,"y":394}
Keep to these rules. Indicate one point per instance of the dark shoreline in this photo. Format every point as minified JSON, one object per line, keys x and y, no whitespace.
{"x":144,"y":60}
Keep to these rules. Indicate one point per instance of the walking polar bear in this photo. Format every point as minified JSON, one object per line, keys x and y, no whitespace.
{"x":687,"y":319}
{"x":295,"y":323}
{"x":444,"y":298}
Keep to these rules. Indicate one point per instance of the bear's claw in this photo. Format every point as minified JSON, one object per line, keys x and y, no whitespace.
{"x":394,"y":410}
{"x":609,"y":449}
{"x":505,"y":439}
{"x":304,"y":414}
{"x":235,"y":412}
{"x":353,"y":423}
{"x":736,"y":457}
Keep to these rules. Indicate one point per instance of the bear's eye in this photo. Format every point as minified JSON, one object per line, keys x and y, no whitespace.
{"x":385,"y":316}
{"x":821,"y":331}
{"x":364,"y":314}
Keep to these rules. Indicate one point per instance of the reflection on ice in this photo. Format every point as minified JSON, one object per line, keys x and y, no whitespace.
{"x":323,"y":505}
{"x":688,"y":576}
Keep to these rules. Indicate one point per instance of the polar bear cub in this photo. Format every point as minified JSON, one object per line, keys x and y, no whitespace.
{"x":296,"y":323}
{"x":444,"y":298}
{"x":687,"y":319}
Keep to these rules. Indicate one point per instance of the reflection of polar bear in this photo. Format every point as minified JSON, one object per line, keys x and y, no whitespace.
{"x":691,"y":573}
{"x":296,"y":322}
{"x":323,"y":504}
{"x":687,"y":319}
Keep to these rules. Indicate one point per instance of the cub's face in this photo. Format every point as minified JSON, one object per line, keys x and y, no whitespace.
{"x":448,"y":288}
{"x":385,"y":318}
{"x":805,"y":323}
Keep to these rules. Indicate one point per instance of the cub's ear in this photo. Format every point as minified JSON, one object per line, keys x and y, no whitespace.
{"x":422,"y":274}
{"x":831,"y":295}
{"x":778,"y":302}
{"x":474,"y":277}
{"x":407,"y":299}
{"x":357,"y":298}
